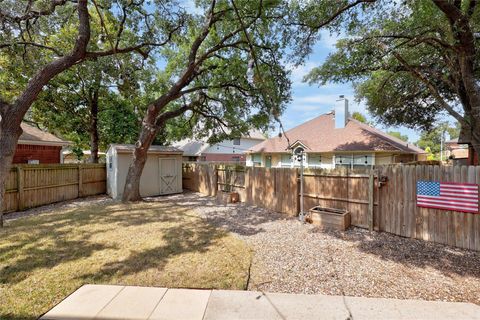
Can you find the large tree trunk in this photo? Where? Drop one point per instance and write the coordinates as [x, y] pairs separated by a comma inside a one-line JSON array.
[[148, 132], [152, 123], [12, 114], [10, 131], [94, 126]]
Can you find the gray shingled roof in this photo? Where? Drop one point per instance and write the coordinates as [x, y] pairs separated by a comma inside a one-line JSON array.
[[154, 148]]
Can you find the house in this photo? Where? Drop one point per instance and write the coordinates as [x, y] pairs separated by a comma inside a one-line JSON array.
[[331, 140], [465, 138], [70, 157], [225, 151], [457, 152], [36, 146]]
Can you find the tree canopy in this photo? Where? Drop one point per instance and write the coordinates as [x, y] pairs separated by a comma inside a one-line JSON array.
[[412, 61]]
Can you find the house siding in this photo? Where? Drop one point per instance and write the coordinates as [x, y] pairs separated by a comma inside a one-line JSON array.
[[223, 157], [328, 160], [44, 154]]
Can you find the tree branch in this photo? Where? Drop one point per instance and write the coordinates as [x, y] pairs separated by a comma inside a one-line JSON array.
[[33, 44]]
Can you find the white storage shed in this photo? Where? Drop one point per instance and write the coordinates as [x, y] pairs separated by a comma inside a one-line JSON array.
[[162, 173]]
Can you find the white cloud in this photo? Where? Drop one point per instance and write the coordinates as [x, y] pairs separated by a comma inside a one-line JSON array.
[[322, 99], [190, 6], [329, 40], [299, 72]]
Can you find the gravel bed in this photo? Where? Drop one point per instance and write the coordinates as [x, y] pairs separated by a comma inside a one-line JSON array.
[[292, 257]]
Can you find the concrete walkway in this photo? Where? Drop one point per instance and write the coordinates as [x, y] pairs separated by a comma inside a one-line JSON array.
[[127, 302]]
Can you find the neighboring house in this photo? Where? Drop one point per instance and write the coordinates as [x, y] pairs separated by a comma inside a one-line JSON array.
[[458, 153], [465, 138], [225, 151], [70, 157], [331, 140], [36, 146]]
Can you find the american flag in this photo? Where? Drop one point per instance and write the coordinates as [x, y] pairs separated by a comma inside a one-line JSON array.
[[448, 196]]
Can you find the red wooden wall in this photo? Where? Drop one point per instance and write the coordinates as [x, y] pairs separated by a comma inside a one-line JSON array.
[[45, 154]]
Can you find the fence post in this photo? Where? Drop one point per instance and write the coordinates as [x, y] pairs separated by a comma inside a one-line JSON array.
[[20, 192], [248, 189], [371, 182], [80, 181]]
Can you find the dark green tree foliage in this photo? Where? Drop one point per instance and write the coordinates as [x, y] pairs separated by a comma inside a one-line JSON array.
[[94, 104], [413, 61], [359, 117], [432, 139]]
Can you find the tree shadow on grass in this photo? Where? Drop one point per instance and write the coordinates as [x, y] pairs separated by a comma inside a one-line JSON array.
[[177, 240], [46, 241], [238, 218], [412, 252]]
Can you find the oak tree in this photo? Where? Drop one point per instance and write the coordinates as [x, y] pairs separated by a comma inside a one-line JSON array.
[[412, 61]]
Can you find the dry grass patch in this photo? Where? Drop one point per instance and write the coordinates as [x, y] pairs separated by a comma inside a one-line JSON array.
[[46, 257]]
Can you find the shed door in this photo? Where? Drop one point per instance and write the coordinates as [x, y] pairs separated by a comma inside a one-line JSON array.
[[168, 176]]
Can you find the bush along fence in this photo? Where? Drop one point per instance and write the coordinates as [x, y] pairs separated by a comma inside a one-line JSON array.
[[382, 198], [31, 186]]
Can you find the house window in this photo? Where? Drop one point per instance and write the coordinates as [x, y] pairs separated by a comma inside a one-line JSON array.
[[257, 159], [360, 161], [343, 160], [286, 160], [314, 160], [353, 161], [236, 142]]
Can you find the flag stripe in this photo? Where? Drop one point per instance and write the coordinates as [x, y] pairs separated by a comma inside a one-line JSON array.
[[465, 196], [463, 186], [462, 209], [459, 190], [448, 202], [444, 199]]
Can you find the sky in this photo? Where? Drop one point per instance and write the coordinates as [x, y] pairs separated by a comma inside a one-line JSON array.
[[309, 101]]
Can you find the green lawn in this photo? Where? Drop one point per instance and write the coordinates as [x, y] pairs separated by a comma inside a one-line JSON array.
[[46, 257]]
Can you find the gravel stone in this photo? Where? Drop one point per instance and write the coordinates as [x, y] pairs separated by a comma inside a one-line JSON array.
[[293, 257]]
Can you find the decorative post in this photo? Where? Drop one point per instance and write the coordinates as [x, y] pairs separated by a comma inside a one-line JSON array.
[[371, 183]]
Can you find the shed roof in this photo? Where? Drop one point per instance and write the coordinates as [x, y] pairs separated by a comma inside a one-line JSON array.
[[320, 135], [33, 135], [125, 148]]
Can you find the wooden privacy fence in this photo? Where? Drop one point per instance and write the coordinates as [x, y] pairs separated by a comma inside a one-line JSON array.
[[31, 186], [389, 206], [399, 214]]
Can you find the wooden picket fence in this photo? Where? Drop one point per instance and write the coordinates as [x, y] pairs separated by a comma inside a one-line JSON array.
[[31, 186], [389, 206]]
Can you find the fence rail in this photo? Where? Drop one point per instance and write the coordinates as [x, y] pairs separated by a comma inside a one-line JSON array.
[[389, 207], [31, 186]]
